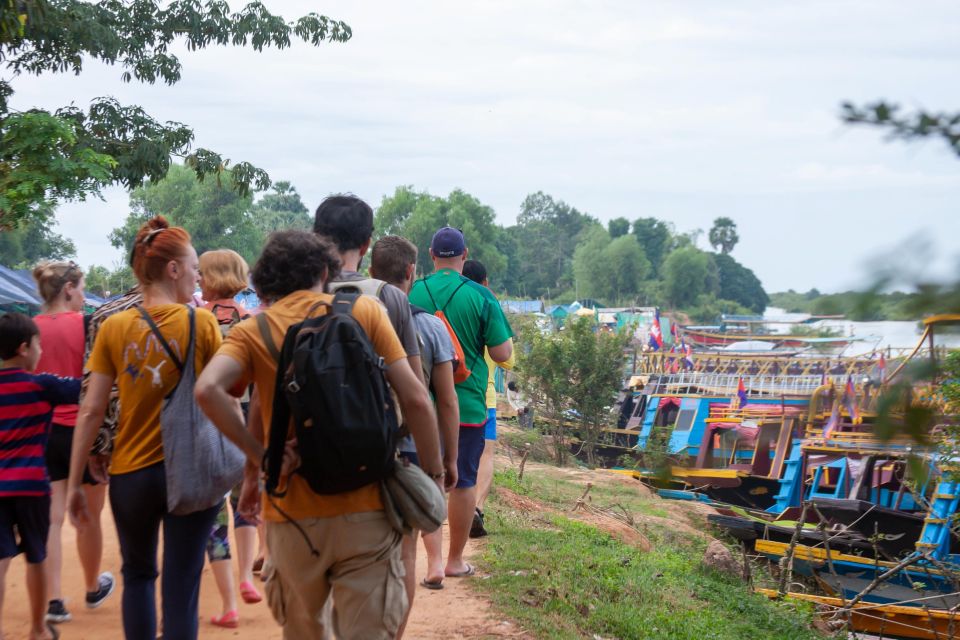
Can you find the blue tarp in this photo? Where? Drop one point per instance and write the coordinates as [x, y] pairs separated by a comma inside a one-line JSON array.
[[17, 287]]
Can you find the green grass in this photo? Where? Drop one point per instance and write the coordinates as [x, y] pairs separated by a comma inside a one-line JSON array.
[[564, 579]]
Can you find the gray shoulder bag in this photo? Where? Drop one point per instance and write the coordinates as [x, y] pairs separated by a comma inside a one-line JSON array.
[[412, 500], [201, 465]]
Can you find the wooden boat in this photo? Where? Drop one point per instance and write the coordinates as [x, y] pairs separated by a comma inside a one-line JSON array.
[[709, 339], [886, 620]]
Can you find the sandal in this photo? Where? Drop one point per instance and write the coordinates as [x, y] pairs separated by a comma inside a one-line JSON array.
[[249, 593], [229, 620]]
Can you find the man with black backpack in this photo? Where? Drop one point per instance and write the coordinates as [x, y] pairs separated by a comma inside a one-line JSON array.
[[476, 321], [326, 529]]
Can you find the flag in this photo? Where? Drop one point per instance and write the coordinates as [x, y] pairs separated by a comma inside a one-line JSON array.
[[687, 355], [739, 401], [833, 421], [882, 365], [675, 332], [850, 399], [656, 336]]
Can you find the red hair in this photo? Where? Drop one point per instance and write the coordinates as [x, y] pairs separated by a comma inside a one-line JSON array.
[[156, 245]]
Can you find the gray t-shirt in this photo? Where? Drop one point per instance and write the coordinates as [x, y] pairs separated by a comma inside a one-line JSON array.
[[435, 348], [396, 302]]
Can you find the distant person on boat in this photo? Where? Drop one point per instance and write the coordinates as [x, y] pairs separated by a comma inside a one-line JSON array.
[[477, 321], [394, 259], [475, 270]]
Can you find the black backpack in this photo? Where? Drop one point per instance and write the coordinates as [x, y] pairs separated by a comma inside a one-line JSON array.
[[331, 382]]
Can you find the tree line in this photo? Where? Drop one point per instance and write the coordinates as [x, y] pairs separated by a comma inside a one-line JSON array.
[[554, 251]]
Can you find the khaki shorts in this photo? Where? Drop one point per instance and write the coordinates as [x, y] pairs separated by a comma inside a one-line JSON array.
[[357, 563]]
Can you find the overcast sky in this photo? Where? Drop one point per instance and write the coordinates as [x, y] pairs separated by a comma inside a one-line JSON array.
[[680, 110]]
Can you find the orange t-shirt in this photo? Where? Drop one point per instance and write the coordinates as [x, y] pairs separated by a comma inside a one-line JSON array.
[[126, 350], [245, 345], [62, 341]]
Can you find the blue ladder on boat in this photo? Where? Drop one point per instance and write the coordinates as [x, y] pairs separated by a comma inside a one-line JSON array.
[[822, 473], [935, 536], [790, 483]]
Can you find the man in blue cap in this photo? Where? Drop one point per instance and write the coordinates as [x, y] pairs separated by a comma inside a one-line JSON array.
[[478, 322]]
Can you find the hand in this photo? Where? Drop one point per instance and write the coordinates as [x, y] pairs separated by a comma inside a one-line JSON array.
[[450, 478], [291, 458], [248, 504], [77, 508], [97, 465]]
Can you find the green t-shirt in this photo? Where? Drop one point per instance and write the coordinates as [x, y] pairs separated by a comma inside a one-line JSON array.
[[478, 321]]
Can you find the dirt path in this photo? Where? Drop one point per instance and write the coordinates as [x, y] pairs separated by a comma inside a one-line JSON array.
[[452, 613]]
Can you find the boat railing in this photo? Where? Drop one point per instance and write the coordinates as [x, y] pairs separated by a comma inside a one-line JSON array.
[[728, 384]]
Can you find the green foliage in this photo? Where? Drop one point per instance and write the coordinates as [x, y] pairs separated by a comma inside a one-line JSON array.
[[723, 235], [656, 238], [282, 208], [618, 227], [216, 217], [950, 388], [72, 153], [25, 246], [417, 216], [739, 284], [689, 273], [707, 309], [869, 305], [106, 282], [611, 270], [921, 124]]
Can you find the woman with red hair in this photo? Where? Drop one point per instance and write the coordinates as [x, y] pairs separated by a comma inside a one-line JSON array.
[[146, 369]]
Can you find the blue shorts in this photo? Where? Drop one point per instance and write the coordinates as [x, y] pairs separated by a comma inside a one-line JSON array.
[[31, 517], [490, 426], [469, 449]]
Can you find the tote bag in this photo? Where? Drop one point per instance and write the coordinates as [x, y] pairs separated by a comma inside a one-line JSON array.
[[201, 465]]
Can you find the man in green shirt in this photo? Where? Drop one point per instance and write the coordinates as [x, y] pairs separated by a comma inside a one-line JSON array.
[[478, 322]]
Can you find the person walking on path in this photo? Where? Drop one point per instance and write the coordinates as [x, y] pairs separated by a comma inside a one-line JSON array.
[[27, 402], [475, 270], [319, 545], [394, 259], [224, 274], [127, 350], [347, 222], [478, 321], [61, 286]]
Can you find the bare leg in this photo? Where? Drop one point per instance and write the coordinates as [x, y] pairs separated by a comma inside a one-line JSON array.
[[4, 565], [37, 593], [246, 538], [485, 472], [433, 543], [90, 537], [52, 565], [460, 510], [408, 553], [223, 573]]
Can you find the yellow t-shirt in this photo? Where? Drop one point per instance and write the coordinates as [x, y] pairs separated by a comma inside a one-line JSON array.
[[492, 369], [245, 345], [126, 350]]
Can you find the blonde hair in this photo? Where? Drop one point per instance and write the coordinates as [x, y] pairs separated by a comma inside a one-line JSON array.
[[224, 271], [52, 276]]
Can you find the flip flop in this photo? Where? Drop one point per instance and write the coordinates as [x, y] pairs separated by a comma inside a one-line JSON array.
[[466, 573], [431, 584], [249, 593], [229, 620]]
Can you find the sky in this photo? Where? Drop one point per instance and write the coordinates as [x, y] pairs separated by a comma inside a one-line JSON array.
[[683, 111]]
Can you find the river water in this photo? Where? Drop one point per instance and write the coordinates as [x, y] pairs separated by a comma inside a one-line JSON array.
[[876, 335]]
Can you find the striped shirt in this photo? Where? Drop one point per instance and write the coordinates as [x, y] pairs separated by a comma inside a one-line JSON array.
[[26, 407]]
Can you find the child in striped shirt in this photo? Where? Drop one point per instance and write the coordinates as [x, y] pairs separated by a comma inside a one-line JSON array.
[[26, 408]]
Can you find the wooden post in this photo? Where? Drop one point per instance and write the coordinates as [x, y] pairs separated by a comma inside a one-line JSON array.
[[523, 461], [787, 569]]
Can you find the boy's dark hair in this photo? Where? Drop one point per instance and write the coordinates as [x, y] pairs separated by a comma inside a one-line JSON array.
[[474, 270], [345, 219], [293, 261], [390, 258], [15, 330]]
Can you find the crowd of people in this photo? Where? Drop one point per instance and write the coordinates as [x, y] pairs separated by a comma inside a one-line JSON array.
[[81, 399]]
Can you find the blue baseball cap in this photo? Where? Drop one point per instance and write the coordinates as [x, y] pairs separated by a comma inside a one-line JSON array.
[[448, 242]]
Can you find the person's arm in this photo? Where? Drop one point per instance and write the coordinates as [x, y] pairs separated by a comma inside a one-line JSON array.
[[89, 419], [248, 504], [502, 352], [448, 418], [212, 393], [417, 365], [418, 414]]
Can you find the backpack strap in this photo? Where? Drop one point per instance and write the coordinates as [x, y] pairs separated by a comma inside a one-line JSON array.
[[163, 341], [444, 307], [342, 303], [268, 342]]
